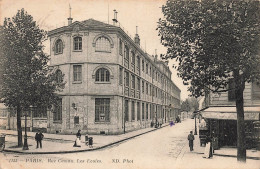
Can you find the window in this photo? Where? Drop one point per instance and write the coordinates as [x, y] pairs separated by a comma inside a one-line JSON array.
[[58, 46], [133, 111], [147, 88], [138, 63], [59, 77], [126, 111], [120, 47], [76, 120], [120, 76], [255, 91], [102, 75], [103, 44], [138, 84], [146, 110], [57, 111], [138, 111], [39, 112], [102, 109], [133, 61], [142, 111], [126, 55], [147, 68], [77, 43], [143, 65], [133, 81], [77, 73], [127, 79], [231, 92], [142, 86]]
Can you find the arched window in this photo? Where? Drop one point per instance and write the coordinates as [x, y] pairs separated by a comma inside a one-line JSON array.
[[102, 75], [59, 78], [58, 46], [103, 44], [77, 43]]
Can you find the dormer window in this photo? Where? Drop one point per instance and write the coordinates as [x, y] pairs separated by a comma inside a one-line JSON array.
[[77, 44], [103, 44], [58, 47]]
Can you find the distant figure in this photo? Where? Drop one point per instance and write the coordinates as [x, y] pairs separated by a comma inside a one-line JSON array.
[[77, 141], [178, 120], [191, 138], [208, 153], [38, 137]]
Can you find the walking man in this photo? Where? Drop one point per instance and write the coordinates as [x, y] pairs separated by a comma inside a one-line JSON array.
[[38, 137], [191, 138]]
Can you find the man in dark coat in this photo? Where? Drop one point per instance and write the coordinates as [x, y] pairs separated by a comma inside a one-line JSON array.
[[38, 137], [191, 138]]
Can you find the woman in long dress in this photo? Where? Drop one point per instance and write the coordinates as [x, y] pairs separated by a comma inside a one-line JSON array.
[[77, 141], [208, 149]]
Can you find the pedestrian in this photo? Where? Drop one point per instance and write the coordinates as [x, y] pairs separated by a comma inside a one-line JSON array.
[[38, 137], [191, 138], [208, 153], [77, 141]]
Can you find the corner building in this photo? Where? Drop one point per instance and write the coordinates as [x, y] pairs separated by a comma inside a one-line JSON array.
[[112, 85]]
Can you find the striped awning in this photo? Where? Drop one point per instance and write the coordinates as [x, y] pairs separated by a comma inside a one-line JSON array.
[[230, 113]]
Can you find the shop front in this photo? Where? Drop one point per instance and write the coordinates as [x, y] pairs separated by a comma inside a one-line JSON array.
[[222, 125]]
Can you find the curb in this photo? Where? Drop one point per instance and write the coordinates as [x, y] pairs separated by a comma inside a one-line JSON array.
[[225, 155], [75, 151]]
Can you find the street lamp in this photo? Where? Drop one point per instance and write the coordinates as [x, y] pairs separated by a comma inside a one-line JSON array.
[[195, 132], [25, 145]]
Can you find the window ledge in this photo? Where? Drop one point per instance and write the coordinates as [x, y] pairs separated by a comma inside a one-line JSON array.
[[102, 122], [102, 51], [58, 122], [77, 82], [58, 53], [77, 50], [102, 82]]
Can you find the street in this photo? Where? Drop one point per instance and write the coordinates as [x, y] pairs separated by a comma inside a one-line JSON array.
[[158, 149]]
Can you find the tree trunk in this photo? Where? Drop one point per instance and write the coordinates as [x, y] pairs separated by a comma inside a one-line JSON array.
[[241, 144], [19, 126]]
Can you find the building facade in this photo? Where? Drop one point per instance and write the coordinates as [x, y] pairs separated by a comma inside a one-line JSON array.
[[221, 116], [112, 85]]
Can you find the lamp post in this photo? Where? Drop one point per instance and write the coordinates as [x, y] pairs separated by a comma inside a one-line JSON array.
[[25, 145], [195, 132]]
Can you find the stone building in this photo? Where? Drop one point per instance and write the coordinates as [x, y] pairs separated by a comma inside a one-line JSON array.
[[112, 85]]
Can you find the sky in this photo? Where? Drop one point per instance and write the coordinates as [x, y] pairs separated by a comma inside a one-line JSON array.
[[51, 14]]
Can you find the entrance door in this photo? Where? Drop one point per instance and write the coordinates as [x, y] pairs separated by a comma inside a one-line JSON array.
[[229, 133]]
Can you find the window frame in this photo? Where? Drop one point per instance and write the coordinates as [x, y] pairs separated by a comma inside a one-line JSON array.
[[79, 44], [102, 110], [58, 45], [101, 45], [79, 74], [102, 73]]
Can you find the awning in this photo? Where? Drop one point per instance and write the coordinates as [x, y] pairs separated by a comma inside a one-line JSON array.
[[230, 113]]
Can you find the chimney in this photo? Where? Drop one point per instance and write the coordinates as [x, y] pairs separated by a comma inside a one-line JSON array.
[[70, 19], [115, 17], [137, 39], [156, 56]]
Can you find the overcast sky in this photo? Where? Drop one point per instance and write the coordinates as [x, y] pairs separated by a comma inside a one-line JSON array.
[[51, 14]]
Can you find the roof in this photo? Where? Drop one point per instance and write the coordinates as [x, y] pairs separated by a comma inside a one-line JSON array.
[[91, 22]]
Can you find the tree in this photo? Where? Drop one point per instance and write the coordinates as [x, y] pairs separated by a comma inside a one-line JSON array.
[[27, 80], [214, 42], [185, 106]]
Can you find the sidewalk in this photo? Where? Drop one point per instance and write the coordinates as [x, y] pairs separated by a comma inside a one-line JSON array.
[[222, 158], [57, 143]]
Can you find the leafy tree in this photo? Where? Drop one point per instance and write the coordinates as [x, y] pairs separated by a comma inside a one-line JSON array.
[[27, 80], [214, 41], [185, 106]]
